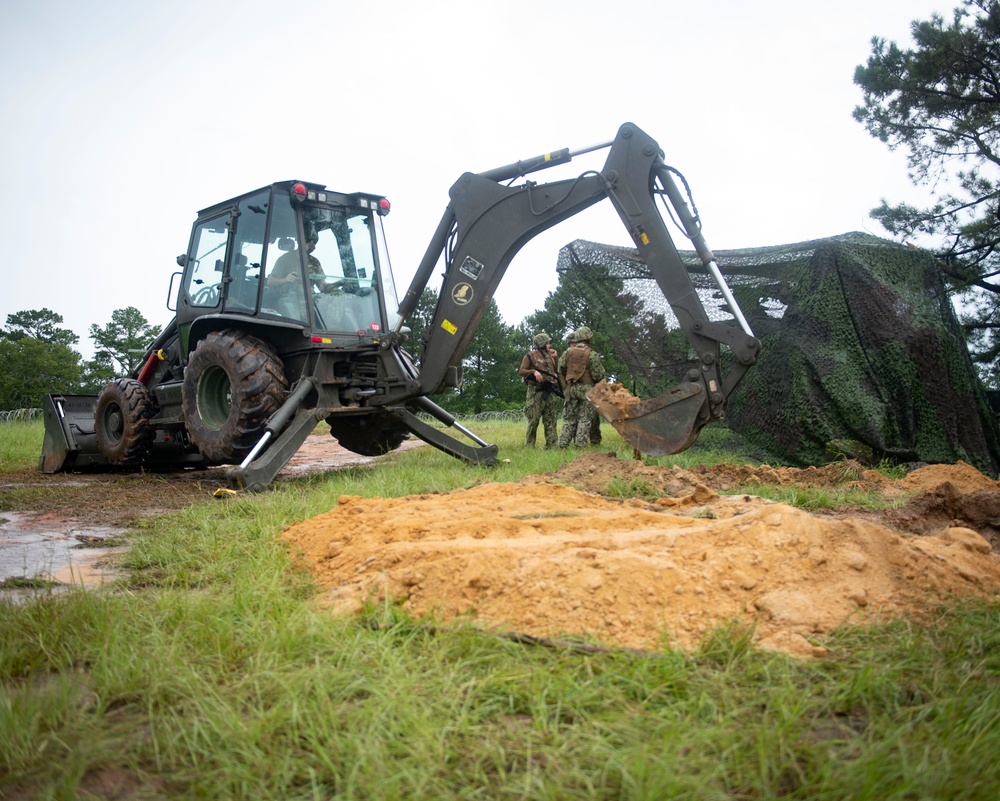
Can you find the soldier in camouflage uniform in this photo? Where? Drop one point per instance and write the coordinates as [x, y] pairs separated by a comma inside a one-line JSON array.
[[288, 271], [595, 429], [580, 368], [538, 367]]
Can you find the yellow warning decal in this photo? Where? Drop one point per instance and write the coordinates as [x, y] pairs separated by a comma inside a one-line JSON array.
[[645, 238], [450, 327]]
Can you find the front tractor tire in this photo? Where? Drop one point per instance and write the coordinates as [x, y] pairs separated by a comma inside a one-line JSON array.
[[122, 422], [232, 385]]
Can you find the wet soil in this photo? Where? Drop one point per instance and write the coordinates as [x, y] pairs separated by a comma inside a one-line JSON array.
[[67, 528], [572, 554], [565, 556]]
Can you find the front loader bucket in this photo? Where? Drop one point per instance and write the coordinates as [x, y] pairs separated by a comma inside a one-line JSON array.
[[668, 423], [70, 442]]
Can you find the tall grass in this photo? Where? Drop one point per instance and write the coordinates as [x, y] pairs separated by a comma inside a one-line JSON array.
[[20, 444], [207, 673]]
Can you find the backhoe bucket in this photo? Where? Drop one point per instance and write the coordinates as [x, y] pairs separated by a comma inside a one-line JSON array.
[[668, 423], [70, 442]]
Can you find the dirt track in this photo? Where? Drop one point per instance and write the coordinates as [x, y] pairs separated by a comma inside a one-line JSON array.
[[555, 556]]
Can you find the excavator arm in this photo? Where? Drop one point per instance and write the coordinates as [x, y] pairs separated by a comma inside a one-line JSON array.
[[488, 221]]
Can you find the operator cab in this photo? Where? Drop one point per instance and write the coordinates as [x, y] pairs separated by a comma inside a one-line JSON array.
[[291, 253]]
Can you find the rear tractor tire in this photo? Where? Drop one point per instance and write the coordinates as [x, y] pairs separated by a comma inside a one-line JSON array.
[[233, 384], [370, 435], [123, 422]]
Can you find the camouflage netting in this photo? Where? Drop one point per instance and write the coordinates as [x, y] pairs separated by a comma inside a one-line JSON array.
[[860, 345]]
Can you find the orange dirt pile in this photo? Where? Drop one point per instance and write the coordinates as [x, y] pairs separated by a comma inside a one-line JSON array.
[[613, 400], [543, 558]]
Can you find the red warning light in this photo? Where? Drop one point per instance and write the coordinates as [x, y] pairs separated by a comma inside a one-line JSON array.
[[383, 207], [299, 190]]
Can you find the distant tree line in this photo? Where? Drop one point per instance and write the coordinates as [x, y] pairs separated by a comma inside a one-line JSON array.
[[37, 355]]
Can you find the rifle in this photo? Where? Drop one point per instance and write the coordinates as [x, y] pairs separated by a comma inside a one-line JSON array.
[[548, 385]]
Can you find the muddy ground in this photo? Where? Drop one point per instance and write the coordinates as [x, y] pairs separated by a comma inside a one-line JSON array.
[[66, 528], [563, 556]]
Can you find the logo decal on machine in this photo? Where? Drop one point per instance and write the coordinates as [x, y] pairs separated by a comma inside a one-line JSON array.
[[462, 294], [471, 268]]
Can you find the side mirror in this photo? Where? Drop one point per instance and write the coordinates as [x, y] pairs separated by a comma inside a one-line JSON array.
[[182, 260]]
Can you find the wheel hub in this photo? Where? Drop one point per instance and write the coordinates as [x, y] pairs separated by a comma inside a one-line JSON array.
[[215, 398]]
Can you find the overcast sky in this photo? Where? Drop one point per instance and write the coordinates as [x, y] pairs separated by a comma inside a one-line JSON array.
[[122, 119]]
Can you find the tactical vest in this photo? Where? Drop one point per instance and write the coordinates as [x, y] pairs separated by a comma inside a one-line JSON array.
[[578, 365], [548, 364], [547, 359]]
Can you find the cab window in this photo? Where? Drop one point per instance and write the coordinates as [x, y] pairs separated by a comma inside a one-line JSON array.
[[248, 249], [345, 296], [206, 266], [284, 293]]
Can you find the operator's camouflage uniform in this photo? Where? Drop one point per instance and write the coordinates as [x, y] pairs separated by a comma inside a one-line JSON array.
[[287, 298], [580, 368], [540, 405]]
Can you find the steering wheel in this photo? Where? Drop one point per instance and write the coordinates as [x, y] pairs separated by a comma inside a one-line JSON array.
[[206, 296]]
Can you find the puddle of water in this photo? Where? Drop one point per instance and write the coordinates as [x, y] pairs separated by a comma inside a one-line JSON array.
[[47, 547], [89, 567]]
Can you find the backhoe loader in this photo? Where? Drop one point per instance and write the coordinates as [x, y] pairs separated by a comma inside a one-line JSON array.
[[283, 317]]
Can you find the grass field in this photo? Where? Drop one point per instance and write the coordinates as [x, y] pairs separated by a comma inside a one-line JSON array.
[[206, 673]]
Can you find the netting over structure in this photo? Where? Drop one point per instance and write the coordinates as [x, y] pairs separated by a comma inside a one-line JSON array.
[[859, 343]]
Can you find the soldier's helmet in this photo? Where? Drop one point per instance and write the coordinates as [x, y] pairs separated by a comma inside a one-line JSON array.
[[541, 340], [582, 334]]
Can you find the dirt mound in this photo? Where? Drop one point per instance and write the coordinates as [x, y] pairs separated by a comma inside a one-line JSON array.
[[598, 471], [543, 558], [962, 476]]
